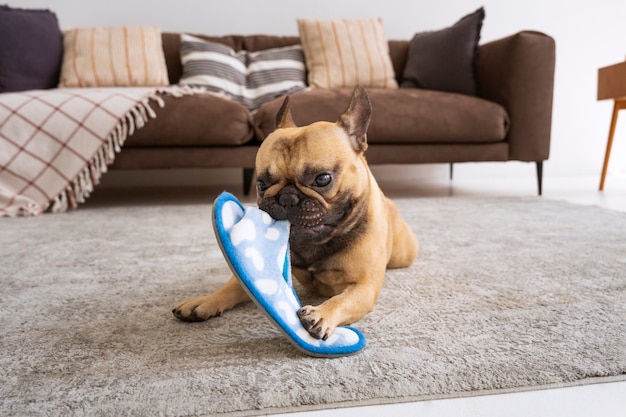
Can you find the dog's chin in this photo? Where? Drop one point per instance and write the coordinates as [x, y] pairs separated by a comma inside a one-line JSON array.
[[310, 234]]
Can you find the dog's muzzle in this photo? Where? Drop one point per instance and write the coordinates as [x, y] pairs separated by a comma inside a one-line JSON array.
[[290, 204]]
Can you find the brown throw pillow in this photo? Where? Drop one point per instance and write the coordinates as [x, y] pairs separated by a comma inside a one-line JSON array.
[[344, 53], [444, 60], [113, 56]]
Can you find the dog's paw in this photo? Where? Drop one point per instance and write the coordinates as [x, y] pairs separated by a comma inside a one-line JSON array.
[[313, 320], [197, 309]]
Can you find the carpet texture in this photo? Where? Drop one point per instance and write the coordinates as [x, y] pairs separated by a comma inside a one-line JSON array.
[[506, 294]]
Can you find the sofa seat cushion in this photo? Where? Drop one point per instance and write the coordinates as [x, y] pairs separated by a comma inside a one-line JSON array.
[[195, 120], [400, 116]]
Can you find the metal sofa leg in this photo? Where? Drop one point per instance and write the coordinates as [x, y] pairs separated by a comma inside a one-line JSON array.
[[539, 176], [248, 174]]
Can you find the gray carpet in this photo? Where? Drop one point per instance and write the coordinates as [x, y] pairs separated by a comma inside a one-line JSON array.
[[507, 294]]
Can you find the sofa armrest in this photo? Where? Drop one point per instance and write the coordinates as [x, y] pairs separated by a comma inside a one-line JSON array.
[[518, 73]]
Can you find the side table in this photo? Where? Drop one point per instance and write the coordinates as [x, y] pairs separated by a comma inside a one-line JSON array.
[[612, 85]]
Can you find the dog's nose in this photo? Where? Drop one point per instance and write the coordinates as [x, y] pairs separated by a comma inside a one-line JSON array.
[[288, 200]]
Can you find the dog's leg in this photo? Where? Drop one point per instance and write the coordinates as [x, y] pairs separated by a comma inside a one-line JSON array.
[[206, 306], [344, 308]]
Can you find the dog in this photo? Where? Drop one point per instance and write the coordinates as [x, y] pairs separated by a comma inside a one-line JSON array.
[[344, 232]]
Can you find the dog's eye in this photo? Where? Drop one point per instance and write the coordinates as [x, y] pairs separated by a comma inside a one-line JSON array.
[[322, 180], [261, 186]]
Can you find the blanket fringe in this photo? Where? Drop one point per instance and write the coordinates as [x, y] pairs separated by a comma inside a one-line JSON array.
[[82, 186]]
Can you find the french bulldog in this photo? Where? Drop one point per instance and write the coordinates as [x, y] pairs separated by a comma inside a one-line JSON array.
[[344, 232]]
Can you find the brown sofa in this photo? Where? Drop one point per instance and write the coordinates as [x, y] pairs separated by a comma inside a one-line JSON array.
[[510, 120]]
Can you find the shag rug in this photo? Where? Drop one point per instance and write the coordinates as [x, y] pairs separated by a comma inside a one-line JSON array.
[[507, 294]]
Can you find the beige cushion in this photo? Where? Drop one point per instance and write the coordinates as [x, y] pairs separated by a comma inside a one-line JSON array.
[[346, 53], [113, 56]]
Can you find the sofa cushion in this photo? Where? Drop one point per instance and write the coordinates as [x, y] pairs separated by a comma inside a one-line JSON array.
[[113, 56], [31, 49], [346, 52], [400, 116], [445, 59], [171, 50], [251, 78], [195, 120]]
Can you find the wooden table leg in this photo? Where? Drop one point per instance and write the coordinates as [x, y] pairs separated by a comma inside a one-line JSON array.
[[619, 105]]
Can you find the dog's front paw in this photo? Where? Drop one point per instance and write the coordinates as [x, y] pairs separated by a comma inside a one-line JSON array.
[[313, 320], [197, 309]]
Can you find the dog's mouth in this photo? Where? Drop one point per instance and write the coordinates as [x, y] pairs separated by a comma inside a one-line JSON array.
[[308, 219], [309, 214]]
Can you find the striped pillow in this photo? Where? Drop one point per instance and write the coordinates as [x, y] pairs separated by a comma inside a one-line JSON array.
[[113, 56], [251, 78], [346, 53]]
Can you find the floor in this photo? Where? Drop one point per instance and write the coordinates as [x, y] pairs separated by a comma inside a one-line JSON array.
[[606, 399]]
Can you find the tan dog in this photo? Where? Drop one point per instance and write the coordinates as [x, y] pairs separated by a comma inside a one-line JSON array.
[[344, 231]]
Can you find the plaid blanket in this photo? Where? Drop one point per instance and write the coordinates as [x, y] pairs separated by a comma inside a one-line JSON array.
[[55, 144]]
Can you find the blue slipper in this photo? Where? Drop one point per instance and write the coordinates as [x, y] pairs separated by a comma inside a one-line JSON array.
[[256, 248]]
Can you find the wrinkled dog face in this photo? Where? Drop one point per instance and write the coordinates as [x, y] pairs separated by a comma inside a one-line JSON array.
[[307, 191], [315, 176]]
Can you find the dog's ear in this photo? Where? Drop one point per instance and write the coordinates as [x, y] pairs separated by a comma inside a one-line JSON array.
[[356, 119], [283, 117]]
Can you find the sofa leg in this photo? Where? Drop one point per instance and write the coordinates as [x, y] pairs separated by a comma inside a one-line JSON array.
[[451, 171], [248, 174], [539, 176]]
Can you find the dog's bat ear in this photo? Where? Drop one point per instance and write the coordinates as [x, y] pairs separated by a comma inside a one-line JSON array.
[[283, 117], [356, 119]]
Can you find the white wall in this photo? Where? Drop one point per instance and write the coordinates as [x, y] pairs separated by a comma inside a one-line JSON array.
[[589, 35]]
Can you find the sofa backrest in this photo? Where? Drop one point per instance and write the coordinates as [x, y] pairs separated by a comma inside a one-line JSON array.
[[398, 49]]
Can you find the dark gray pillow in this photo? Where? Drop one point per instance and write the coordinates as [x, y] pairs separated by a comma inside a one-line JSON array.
[[31, 49], [444, 60]]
